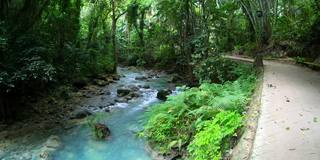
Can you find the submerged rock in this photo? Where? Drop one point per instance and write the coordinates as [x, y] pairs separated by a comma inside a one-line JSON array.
[[79, 114], [49, 147], [162, 94]]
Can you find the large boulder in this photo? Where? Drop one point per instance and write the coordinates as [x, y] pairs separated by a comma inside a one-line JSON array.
[[162, 94]]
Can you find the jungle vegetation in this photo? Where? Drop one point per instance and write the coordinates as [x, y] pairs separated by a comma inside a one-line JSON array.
[[49, 43]]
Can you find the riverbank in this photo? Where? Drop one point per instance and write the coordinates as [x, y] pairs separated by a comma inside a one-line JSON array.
[[93, 98], [46, 116]]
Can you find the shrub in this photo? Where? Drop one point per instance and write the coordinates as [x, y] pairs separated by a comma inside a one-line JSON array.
[[218, 70], [174, 123]]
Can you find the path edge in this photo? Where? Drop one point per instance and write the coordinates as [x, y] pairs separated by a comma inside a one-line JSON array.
[[243, 149]]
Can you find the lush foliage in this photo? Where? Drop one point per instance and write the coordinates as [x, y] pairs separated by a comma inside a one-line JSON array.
[[45, 42], [189, 115], [218, 69], [212, 134], [183, 32]]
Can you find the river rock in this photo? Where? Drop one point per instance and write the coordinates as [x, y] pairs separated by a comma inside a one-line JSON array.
[[133, 88], [146, 86], [141, 78], [80, 83], [116, 77], [79, 114], [49, 147], [103, 130], [134, 95], [100, 82], [162, 94], [106, 109], [121, 100], [123, 92]]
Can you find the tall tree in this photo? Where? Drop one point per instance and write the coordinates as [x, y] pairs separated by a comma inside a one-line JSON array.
[[116, 14], [258, 14]]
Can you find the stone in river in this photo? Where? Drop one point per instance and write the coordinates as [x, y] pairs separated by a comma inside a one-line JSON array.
[[123, 92], [162, 94], [80, 113]]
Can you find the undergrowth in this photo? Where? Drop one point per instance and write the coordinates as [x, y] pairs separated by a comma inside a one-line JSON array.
[[199, 122]]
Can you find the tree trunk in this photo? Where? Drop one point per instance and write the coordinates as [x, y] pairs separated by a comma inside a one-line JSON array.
[[141, 35], [4, 5], [187, 34], [205, 27], [113, 37], [258, 61], [5, 109]]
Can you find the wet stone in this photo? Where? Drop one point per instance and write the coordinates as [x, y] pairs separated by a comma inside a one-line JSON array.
[[123, 92], [79, 114], [50, 146], [141, 78], [162, 94]]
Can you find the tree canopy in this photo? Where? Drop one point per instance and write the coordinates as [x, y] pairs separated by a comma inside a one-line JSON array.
[[46, 43]]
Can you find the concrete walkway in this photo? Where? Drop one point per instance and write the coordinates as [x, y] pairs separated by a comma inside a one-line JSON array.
[[289, 124]]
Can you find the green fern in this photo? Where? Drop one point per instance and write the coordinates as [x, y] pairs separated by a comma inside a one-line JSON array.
[[180, 117]]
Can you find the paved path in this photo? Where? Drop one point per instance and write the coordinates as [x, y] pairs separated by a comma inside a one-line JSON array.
[[289, 124]]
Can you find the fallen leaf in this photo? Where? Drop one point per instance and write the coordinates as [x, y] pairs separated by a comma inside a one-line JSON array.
[[304, 129]]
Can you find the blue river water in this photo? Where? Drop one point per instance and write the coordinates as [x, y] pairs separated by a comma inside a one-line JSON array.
[[124, 121]]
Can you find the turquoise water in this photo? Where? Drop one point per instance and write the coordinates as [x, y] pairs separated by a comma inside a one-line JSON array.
[[124, 121]]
